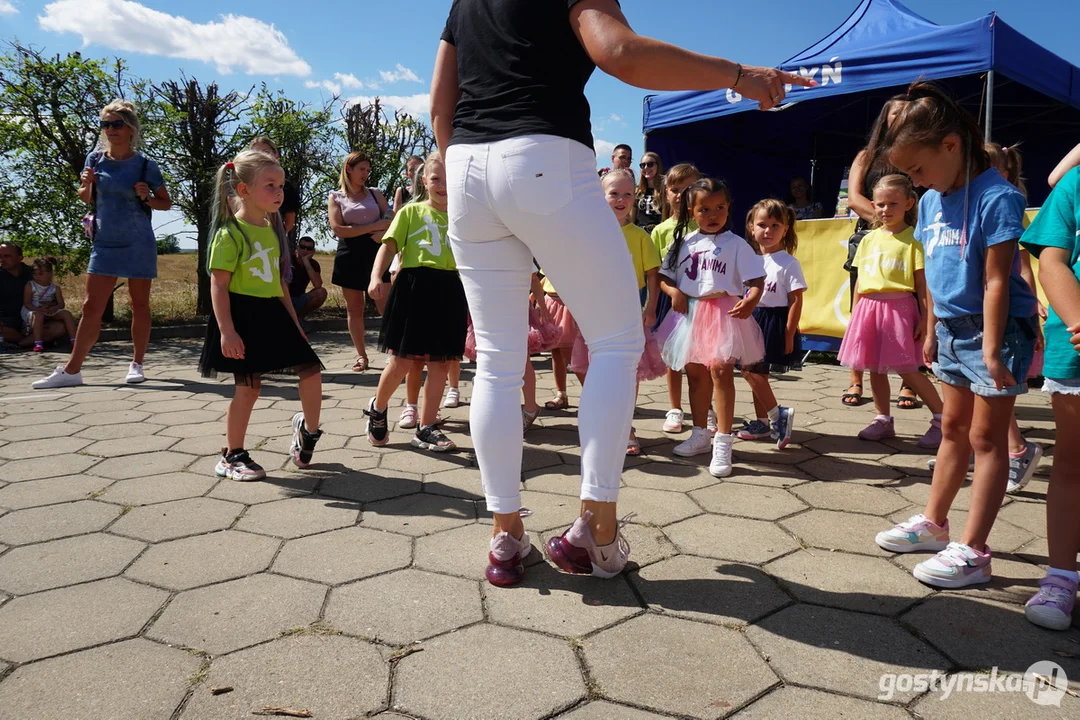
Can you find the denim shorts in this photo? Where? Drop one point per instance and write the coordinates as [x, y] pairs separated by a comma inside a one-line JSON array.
[[1062, 386], [960, 355]]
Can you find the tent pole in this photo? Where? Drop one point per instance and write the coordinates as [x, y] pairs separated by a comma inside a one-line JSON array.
[[989, 105]]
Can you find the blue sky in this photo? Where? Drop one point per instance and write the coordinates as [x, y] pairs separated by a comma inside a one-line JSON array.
[[364, 48]]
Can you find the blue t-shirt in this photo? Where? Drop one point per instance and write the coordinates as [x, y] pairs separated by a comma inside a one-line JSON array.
[[1058, 226], [121, 218], [995, 215]]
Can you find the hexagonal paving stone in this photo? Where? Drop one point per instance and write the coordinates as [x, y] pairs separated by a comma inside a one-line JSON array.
[[732, 498], [776, 476], [1029, 516], [551, 602], [673, 476], [405, 606], [371, 486], [459, 482], [58, 621], [343, 555], [832, 530], [157, 488], [45, 417], [849, 497], [840, 650], [279, 486], [46, 467], [124, 467], [979, 633], [72, 560], [431, 683], [296, 517], [603, 710], [100, 405], [204, 559], [238, 613], [130, 446], [994, 706], [116, 417], [33, 493], [849, 582], [205, 444], [909, 463], [179, 518], [420, 462], [708, 590], [39, 432], [113, 432], [843, 446], [187, 417], [762, 452], [793, 702], [333, 677], [463, 551], [547, 511], [23, 449], [655, 507], [848, 470], [728, 538], [165, 406], [419, 515], [917, 492], [133, 679], [55, 521], [735, 672]]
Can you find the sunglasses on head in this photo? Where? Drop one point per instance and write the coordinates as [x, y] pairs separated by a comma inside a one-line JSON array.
[[647, 164], [114, 124]]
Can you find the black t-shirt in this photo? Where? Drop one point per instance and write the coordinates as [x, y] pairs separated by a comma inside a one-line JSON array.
[[12, 288], [649, 212], [291, 202], [298, 284], [521, 71]]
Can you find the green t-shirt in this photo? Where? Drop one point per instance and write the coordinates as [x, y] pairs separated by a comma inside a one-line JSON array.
[[420, 233], [664, 234], [258, 274], [1058, 226]]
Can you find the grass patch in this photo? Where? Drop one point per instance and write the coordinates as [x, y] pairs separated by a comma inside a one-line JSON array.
[[319, 627]]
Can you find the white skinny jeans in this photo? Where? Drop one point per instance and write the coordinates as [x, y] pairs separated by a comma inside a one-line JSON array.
[[539, 196]]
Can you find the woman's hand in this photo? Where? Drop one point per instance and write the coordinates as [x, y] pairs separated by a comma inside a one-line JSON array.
[[1075, 339], [142, 190], [929, 349], [766, 85], [380, 226], [679, 302], [88, 177], [232, 346]]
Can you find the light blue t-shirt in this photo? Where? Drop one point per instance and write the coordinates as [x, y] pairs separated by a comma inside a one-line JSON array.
[[1058, 226], [995, 215], [121, 218]]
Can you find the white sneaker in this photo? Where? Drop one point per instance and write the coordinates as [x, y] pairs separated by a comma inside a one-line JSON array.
[[720, 466], [58, 379], [134, 374], [698, 443], [673, 421], [453, 398], [712, 425]]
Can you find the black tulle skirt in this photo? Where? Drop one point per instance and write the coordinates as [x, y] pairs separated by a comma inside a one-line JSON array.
[[426, 316], [273, 345], [773, 324]]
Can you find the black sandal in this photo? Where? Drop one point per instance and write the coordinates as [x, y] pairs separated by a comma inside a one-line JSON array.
[[907, 403], [852, 399]]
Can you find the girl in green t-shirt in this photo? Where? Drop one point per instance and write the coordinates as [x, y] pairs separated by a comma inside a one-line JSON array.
[[253, 330]]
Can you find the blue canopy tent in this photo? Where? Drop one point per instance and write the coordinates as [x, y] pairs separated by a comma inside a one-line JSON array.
[[1019, 91]]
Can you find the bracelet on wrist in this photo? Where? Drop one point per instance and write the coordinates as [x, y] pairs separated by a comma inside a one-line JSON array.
[[738, 75]]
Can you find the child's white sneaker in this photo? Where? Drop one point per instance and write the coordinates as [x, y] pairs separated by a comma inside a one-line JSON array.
[[698, 443], [721, 455]]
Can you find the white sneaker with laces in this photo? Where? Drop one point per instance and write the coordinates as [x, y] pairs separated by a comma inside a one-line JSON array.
[[698, 443], [58, 379], [673, 422], [720, 466], [712, 424], [453, 398], [135, 374]]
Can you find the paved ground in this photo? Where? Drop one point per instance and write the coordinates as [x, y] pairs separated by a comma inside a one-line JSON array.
[[135, 584]]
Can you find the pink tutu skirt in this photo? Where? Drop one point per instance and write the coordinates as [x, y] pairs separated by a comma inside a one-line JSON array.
[[560, 316], [881, 335], [542, 336], [650, 367], [707, 335], [470, 342]]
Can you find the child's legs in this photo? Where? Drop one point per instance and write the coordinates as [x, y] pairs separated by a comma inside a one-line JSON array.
[[764, 398], [954, 452], [882, 392], [395, 371], [1063, 497], [453, 373], [1017, 444], [723, 380], [989, 439], [674, 388], [558, 367], [414, 380], [37, 325], [433, 391], [311, 397], [239, 412], [700, 381], [924, 389], [69, 322], [139, 292], [528, 389]]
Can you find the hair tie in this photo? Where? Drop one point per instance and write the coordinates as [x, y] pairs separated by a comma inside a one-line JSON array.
[[229, 166]]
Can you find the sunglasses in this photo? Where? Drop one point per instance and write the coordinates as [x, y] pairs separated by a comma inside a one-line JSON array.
[[646, 164], [305, 247], [114, 124]]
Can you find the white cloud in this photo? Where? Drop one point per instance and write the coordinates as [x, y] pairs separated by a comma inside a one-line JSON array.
[[399, 74], [329, 85], [419, 105], [237, 41], [6, 8], [616, 119], [349, 81], [603, 149]]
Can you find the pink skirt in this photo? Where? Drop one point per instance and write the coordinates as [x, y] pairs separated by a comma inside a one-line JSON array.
[[707, 335], [542, 336], [560, 315], [650, 367], [881, 335]]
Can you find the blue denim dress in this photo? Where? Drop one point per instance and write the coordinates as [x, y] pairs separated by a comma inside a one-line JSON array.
[[124, 243]]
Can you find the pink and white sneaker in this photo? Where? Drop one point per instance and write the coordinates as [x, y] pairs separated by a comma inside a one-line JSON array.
[[576, 552], [956, 566], [1052, 606], [881, 428], [915, 533], [505, 559]]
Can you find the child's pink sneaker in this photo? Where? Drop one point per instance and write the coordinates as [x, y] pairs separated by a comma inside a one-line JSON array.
[[1052, 606], [880, 429], [576, 552], [957, 566], [932, 439], [39, 346]]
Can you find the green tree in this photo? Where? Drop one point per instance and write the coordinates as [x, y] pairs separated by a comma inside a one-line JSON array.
[[387, 139], [168, 245], [49, 111]]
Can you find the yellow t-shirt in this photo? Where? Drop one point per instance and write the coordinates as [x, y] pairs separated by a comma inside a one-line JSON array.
[[419, 230], [664, 234], [642, 252], [887, 262], [251, 253]]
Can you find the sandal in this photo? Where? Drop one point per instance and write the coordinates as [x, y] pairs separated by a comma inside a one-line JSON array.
[[909, 402], [852, 399], [559, 402], [633, 445], [361, 364], [527, 419]]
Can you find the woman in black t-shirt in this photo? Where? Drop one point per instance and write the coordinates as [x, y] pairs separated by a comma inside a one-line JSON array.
[[649, 199], [510, 116]]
